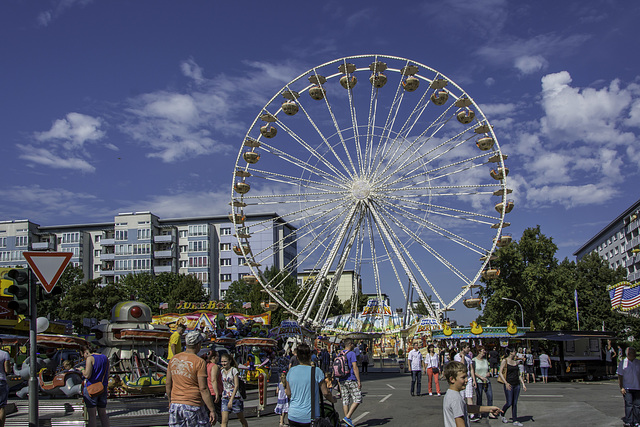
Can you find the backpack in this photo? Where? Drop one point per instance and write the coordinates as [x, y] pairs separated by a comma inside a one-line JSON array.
[[242, 388], [341, 368]]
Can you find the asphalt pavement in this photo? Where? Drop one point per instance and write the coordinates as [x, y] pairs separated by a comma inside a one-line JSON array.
[[387, 401]]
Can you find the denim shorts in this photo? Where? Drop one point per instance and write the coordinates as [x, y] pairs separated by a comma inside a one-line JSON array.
[[236, 407], [91, 402]]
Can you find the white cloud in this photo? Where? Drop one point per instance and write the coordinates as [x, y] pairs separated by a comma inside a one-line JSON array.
[[38, 203], [46, 17], [73, 131], [571, 196], [550, 168], [45, 157], [587, 114], [490, 81], [191, 69], [531, 64], [491, 110]]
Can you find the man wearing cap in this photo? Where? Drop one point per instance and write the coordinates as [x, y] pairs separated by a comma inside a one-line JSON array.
[[187, 387], [175, 342]]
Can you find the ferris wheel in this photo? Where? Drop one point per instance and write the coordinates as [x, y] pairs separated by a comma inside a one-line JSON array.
[[385, 167]]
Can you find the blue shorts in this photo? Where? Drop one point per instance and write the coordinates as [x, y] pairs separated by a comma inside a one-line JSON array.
[[4, 393], [236, 407], [187, 415], [91, 402]]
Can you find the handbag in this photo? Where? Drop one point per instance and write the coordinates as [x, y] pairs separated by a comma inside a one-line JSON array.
[[503, 374], [330, 420], [435, 370]]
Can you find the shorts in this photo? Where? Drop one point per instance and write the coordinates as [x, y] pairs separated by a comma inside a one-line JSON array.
[[236, 407], [4, 393], [528, 369], [468, 390], [187, 415], [91, 402], [350, 392], [494, 365]]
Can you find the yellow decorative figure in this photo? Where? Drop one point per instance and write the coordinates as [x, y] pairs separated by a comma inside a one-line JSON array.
[[476, 328], [446, 329], [511, 327]]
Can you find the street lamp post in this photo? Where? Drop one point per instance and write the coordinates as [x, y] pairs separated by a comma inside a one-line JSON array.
[[521, 310]]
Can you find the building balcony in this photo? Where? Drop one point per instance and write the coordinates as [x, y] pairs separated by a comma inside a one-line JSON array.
[[162, 269], [107, 272], [43, 246], [107, 242], [164, 238], [107, 257], [163, 254]]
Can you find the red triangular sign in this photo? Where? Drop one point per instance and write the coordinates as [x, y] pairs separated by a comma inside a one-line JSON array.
[[48, 266]]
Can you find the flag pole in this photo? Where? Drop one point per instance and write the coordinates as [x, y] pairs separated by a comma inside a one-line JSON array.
[[575, 297]]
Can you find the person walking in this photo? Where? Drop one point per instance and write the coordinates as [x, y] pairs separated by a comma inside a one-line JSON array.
[[231, 399], [509, 375], [187, 389], [629, 383], [282, 405], [325, 359], [350, 386], [96, 370], [482, 371], [214, 381], [545, 364], [5, 368], [529, 368], [365, 362], [467, 393], [432, 363], [494, 361], [609, 357], [175, 341], [417, 369], [298, 388]]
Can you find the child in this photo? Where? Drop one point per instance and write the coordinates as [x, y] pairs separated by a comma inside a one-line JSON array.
[[330, 381], [453, 407], [282, 407]]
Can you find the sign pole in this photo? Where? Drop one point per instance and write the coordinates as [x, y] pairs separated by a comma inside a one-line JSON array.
[[33, 356]]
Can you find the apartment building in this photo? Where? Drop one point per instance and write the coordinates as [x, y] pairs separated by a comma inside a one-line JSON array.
[[618, 243], [346, 283], [142, 242]]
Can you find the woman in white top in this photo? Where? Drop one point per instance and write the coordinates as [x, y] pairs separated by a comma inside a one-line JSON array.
[[231, 399], [545, 364], [432, 361]]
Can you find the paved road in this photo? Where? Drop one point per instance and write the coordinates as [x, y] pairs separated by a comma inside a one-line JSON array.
[[387, 402]]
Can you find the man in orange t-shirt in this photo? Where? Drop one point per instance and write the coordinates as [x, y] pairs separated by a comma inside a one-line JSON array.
[[187, 387]]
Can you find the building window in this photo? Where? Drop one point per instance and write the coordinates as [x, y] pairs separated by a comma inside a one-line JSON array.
[[184, 264], [225, 261], [183, 248], [225, 231], [3, 242], [97, 238], [199, 230], [225, 246], [122, 234], [144, 233], [199, 246], [225, 277], [184, 233], [22, 240], [198, 261], [97, 253]]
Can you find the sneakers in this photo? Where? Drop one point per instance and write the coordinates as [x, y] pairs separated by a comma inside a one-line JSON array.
[[475, 419], [439, 394], [347, 421], [516, 423], [505, 420], [430, 394]]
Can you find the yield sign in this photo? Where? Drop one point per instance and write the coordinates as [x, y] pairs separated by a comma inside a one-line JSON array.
[[48, 266]]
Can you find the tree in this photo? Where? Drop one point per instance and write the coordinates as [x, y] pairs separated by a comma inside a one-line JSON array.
[[183, 287], [147, 288], [51, 306], [81, 301]]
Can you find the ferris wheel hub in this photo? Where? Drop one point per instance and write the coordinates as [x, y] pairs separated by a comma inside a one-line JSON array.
[[361, 189]]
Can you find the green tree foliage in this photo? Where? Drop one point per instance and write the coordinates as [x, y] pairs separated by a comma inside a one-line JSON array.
[[165, 287], [51, 305], [531, 275]]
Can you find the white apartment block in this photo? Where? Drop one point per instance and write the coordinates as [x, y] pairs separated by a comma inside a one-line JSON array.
[[142, 242], [347, 281], [618, 243]]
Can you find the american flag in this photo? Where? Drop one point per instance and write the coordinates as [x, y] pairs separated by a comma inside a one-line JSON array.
[[246, 305], [164, 305], [624, 296]]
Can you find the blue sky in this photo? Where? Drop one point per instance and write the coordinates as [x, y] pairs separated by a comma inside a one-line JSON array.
[[115, 106]]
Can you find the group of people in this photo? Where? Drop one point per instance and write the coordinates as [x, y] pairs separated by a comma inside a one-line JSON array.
[[307, 377], [514, 370]]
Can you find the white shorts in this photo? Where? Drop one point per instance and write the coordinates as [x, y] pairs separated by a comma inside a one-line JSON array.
[[467, 392]]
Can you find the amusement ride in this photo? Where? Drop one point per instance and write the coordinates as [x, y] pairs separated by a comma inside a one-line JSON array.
[[384, 166]]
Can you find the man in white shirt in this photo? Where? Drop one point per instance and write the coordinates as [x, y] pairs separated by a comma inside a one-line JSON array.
[[629, 382], [417, 369], [467, 392]]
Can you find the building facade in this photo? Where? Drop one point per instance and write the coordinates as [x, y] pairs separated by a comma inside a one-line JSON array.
[[618, 243], [346, 283], [137, 242]]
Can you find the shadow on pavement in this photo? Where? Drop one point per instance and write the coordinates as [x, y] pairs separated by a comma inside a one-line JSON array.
[[374, 422]]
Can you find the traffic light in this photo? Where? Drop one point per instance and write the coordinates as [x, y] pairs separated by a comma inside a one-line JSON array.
[[19, 289]]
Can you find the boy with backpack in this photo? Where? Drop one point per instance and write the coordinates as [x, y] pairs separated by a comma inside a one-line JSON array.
[[345, 369]]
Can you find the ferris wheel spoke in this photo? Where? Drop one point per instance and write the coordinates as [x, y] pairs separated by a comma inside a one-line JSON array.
[[422, 206], [401, 252], [296, 181], [410, 159], [376, 271], [354, 124], [420, 221], [391, 256], [288, 157]]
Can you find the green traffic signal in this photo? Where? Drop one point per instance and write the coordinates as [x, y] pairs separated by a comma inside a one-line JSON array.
[[19, 289]]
